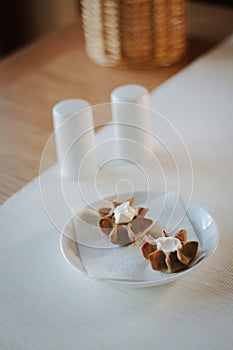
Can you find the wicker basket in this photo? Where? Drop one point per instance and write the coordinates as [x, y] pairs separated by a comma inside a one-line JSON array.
[[134, 33]]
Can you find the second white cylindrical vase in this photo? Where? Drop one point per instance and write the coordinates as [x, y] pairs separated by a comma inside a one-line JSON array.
[[131, 116]]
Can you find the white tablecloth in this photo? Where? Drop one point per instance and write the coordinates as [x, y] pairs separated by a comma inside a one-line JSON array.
[[46, 304]]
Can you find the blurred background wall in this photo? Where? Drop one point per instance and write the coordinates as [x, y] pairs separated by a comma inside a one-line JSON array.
[[23, 21]]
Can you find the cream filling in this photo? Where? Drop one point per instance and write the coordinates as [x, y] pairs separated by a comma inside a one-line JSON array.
[[168, 244], [124, 213]]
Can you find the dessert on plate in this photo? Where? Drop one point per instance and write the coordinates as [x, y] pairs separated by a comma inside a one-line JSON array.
[[170, 254], [122, 223]]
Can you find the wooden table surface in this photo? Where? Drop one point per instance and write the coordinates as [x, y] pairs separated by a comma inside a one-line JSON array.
[[55, 68]]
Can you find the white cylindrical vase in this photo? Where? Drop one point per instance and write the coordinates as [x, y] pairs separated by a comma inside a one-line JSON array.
[[74, 138], [132, 122]]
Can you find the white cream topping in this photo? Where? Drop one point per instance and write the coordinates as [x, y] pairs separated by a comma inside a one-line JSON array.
[[168, 244], [124, 213]]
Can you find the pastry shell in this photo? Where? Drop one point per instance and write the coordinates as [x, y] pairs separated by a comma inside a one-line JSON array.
[[174, 261], [123, 234]]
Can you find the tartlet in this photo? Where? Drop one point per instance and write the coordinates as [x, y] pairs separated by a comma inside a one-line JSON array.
[[126, 232], [171, 261]]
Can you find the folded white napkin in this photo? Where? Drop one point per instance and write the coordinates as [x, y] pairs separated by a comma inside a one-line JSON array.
[[102, 259]]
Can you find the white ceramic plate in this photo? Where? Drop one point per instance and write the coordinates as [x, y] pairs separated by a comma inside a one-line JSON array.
[[89, 261]]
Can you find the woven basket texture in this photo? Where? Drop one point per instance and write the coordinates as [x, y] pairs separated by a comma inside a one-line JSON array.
[[134, 33]]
